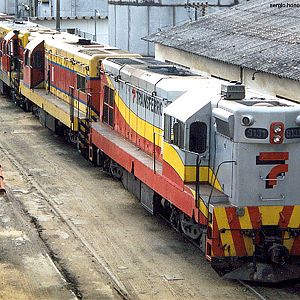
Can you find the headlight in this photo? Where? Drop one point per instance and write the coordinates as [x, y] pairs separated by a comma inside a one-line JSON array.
[[277, 129], [247, 120], [277, 139]]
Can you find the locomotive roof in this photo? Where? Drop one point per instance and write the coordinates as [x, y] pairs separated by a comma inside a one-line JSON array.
[[18, 25], [152, 65], [74, 45], [208, 91], [194, 99]]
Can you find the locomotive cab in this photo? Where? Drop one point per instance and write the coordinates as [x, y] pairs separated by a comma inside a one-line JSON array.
[[34, 63], [10, 52], [187, 138]]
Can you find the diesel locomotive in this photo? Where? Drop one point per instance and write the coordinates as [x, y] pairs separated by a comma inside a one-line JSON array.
[[216, 159]]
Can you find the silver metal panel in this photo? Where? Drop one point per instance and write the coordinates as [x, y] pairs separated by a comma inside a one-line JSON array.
[[134, 185], [50, 122], [224, 152], [250, 178], [147, 198], [42, 117]]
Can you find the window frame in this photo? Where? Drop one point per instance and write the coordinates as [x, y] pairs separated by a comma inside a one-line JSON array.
[[108, 106], [81, 83], [200, 136]]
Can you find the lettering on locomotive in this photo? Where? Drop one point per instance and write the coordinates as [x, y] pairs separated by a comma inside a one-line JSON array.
[[146, 101]]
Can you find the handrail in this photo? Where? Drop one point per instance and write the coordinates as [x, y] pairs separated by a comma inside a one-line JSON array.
[[213, 185], [198, 163]]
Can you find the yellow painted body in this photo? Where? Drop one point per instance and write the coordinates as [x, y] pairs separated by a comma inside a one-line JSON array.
[[140, 126], [268, 215], [58, 110]]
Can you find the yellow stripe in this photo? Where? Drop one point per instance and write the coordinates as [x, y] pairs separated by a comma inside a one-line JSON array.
[[245, 222], [211, 180], [141, 127], [203, 208], [295, 218], [173, 159], [270, 214], [226, 237], [294, 223], [55, 111], [66, 98]]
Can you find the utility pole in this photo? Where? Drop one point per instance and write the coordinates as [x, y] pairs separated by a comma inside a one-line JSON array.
[[16, 9], [97, 12], [35, 8], [58, 15]]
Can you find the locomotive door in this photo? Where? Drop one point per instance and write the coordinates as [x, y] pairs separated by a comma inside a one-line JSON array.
[[224, 153], [34, 63], [108, 106]]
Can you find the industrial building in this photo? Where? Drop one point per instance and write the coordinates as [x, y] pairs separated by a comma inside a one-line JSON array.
[[129, 21], [89, 21], [254, 43], [120, 23]]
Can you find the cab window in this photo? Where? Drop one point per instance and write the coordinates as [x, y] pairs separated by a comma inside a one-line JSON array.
[[198, 137]]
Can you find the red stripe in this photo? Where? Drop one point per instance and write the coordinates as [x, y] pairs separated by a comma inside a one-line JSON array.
[[217, 246], [255, 216], [237, 237], [285, 216], [273, 156], [296, 247]]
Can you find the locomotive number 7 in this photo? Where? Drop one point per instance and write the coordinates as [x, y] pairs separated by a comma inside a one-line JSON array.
[[273, 158]]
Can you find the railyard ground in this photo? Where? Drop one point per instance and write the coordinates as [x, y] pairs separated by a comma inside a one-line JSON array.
[[69, 231]]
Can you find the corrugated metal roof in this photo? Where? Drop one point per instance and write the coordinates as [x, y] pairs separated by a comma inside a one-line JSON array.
[[253, 35]]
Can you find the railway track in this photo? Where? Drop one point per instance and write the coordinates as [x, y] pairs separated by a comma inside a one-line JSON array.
[[117, 284], [244, 284], [253, 290]]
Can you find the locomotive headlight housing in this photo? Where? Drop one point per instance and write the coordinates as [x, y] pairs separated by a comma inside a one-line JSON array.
[[276, 133], [247, 120]]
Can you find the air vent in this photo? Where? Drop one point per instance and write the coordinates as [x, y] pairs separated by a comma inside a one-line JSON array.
[[233, 91], [18, 21], [84, 42]]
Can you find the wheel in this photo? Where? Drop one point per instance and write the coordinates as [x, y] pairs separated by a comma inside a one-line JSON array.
[[189, 227]]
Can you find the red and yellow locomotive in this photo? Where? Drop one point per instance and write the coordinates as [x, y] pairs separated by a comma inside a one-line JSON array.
[[219, 163]]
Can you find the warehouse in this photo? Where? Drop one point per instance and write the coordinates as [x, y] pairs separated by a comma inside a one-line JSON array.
[[254, 43]]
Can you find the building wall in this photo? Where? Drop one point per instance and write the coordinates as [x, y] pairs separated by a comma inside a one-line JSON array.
[[71, 8], [85, 25], [129, 21], [263, 82], [7, 7]]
